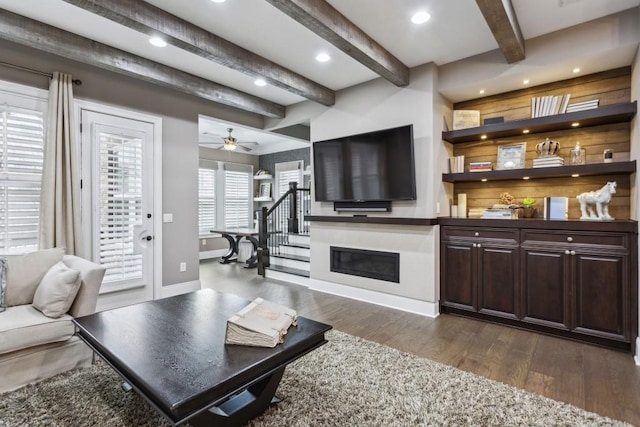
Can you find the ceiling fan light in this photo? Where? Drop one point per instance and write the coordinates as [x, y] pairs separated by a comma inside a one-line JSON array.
[[229, 147]]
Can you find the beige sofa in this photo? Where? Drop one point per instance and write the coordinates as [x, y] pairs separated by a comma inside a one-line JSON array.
[[35, 346]]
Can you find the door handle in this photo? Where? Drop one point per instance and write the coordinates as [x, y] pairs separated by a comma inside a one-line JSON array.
[[147, 238]]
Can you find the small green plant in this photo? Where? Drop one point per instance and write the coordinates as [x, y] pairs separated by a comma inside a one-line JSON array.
[[528, 201]]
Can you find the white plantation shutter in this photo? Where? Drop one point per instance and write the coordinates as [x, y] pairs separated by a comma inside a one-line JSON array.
[[207, 196], [238, 181], [21, 156], [120, 205]]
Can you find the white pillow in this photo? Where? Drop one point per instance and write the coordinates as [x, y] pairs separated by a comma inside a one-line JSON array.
[[25, 272], [57, 290]]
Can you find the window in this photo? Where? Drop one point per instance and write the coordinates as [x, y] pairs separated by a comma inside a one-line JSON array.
[[22, 111], [207, 196], [238, 182], [286, 173]]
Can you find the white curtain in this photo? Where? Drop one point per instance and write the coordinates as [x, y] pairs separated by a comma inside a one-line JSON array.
[[60, 194]]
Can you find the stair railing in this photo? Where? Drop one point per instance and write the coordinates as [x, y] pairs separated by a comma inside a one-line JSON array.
[[282, 220]]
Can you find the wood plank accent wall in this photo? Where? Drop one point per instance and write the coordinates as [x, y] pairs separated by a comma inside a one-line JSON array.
[[610, 87]]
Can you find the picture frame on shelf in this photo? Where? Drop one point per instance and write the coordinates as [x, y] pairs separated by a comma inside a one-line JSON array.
[[265, 190], [511, 156]]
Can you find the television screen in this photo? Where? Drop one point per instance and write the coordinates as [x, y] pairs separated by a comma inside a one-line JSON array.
[[373, 166]]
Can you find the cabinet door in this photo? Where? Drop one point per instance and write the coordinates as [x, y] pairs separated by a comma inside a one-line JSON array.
[[545, 290], [498, 289], [458, 283], [601, 295]]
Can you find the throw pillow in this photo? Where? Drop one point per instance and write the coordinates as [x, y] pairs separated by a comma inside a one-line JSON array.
[[24, 273], [57, 290]]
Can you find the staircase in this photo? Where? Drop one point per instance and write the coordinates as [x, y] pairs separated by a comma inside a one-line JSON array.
[[290, 262], [284, 246]]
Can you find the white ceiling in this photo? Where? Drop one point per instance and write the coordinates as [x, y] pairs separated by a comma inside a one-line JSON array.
[[456, 30]]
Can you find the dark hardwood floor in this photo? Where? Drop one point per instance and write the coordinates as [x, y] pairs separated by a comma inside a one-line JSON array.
[[599, 380]]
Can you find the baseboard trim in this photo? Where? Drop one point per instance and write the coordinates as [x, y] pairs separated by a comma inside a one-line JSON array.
[[637, 356], [286, 277], [217, 253], [423, 308], [179, 289]]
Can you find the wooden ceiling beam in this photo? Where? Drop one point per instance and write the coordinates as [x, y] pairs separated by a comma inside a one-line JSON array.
[[503, 23], [151, 20], [327, 22], [35, 34]]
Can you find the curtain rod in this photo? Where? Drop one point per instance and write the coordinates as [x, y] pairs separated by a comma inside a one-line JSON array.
[[30, 70]]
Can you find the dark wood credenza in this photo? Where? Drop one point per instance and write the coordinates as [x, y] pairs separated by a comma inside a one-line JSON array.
[[574, 279]]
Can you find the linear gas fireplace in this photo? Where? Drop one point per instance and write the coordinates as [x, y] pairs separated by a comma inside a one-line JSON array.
[[365, 263]]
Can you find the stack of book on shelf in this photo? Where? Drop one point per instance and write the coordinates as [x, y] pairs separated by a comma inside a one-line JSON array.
[[585, 105], [479, 166], [492, 213], [456, 164], [549, 105], [476, 212], [260, 324], [548, 162]]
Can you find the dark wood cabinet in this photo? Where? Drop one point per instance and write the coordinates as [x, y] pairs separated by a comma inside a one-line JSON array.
[[483, 267], [576, 282]]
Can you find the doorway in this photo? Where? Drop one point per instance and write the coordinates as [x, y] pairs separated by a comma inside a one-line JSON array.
[[119, 202]]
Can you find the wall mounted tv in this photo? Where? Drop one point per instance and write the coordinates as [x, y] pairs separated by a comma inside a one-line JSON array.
[[373, 166]]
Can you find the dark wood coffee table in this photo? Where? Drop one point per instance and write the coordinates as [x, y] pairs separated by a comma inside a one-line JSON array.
[[172, 352]]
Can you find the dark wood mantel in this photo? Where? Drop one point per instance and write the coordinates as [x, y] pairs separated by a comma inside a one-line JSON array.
[[364, 219]]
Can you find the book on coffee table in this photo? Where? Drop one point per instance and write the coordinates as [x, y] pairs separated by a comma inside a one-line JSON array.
[[260, 324]]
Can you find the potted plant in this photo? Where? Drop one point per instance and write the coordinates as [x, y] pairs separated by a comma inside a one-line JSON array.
[[528, 208]]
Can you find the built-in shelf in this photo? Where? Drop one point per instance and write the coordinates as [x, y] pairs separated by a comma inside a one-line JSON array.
[[615, 168], [262, 199], [364, 219], [625, 225], [616, 113], [262, 177]]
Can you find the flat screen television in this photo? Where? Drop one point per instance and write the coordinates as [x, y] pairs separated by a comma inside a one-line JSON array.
[[372, 166]]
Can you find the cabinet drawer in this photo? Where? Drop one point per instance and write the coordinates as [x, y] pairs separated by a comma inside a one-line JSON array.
[[613, 240], [480, 233]]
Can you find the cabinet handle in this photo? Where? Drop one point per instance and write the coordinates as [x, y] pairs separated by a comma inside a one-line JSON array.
[[569, 239], [477, 234], [573, 252], [479, 245], [567, 252], [475, 245]]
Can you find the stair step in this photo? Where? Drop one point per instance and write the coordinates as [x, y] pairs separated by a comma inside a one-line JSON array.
[[289, 270], [292, 256], [296, 245]]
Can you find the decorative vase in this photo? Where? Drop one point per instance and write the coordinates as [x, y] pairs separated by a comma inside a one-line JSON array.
[[528, 211]]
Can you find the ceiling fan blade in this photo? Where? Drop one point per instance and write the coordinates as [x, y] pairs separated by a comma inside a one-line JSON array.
[[248, 142], [242, 147]]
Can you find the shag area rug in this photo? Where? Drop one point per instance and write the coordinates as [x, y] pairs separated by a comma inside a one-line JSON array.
[[347, 382]]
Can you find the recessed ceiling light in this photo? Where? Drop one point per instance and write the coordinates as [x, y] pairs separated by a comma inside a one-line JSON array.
[[323, 57], [218, 1], [260, 82], [481, 91], [157, 41], [525, 82], [420, 17], [576, 70]]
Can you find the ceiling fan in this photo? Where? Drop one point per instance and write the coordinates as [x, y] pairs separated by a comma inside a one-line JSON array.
[[229, 142]]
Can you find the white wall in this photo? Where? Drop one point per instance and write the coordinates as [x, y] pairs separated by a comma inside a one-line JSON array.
[[376, 105]]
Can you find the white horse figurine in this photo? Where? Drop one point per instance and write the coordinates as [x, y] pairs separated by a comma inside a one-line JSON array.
[[599, 199]]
